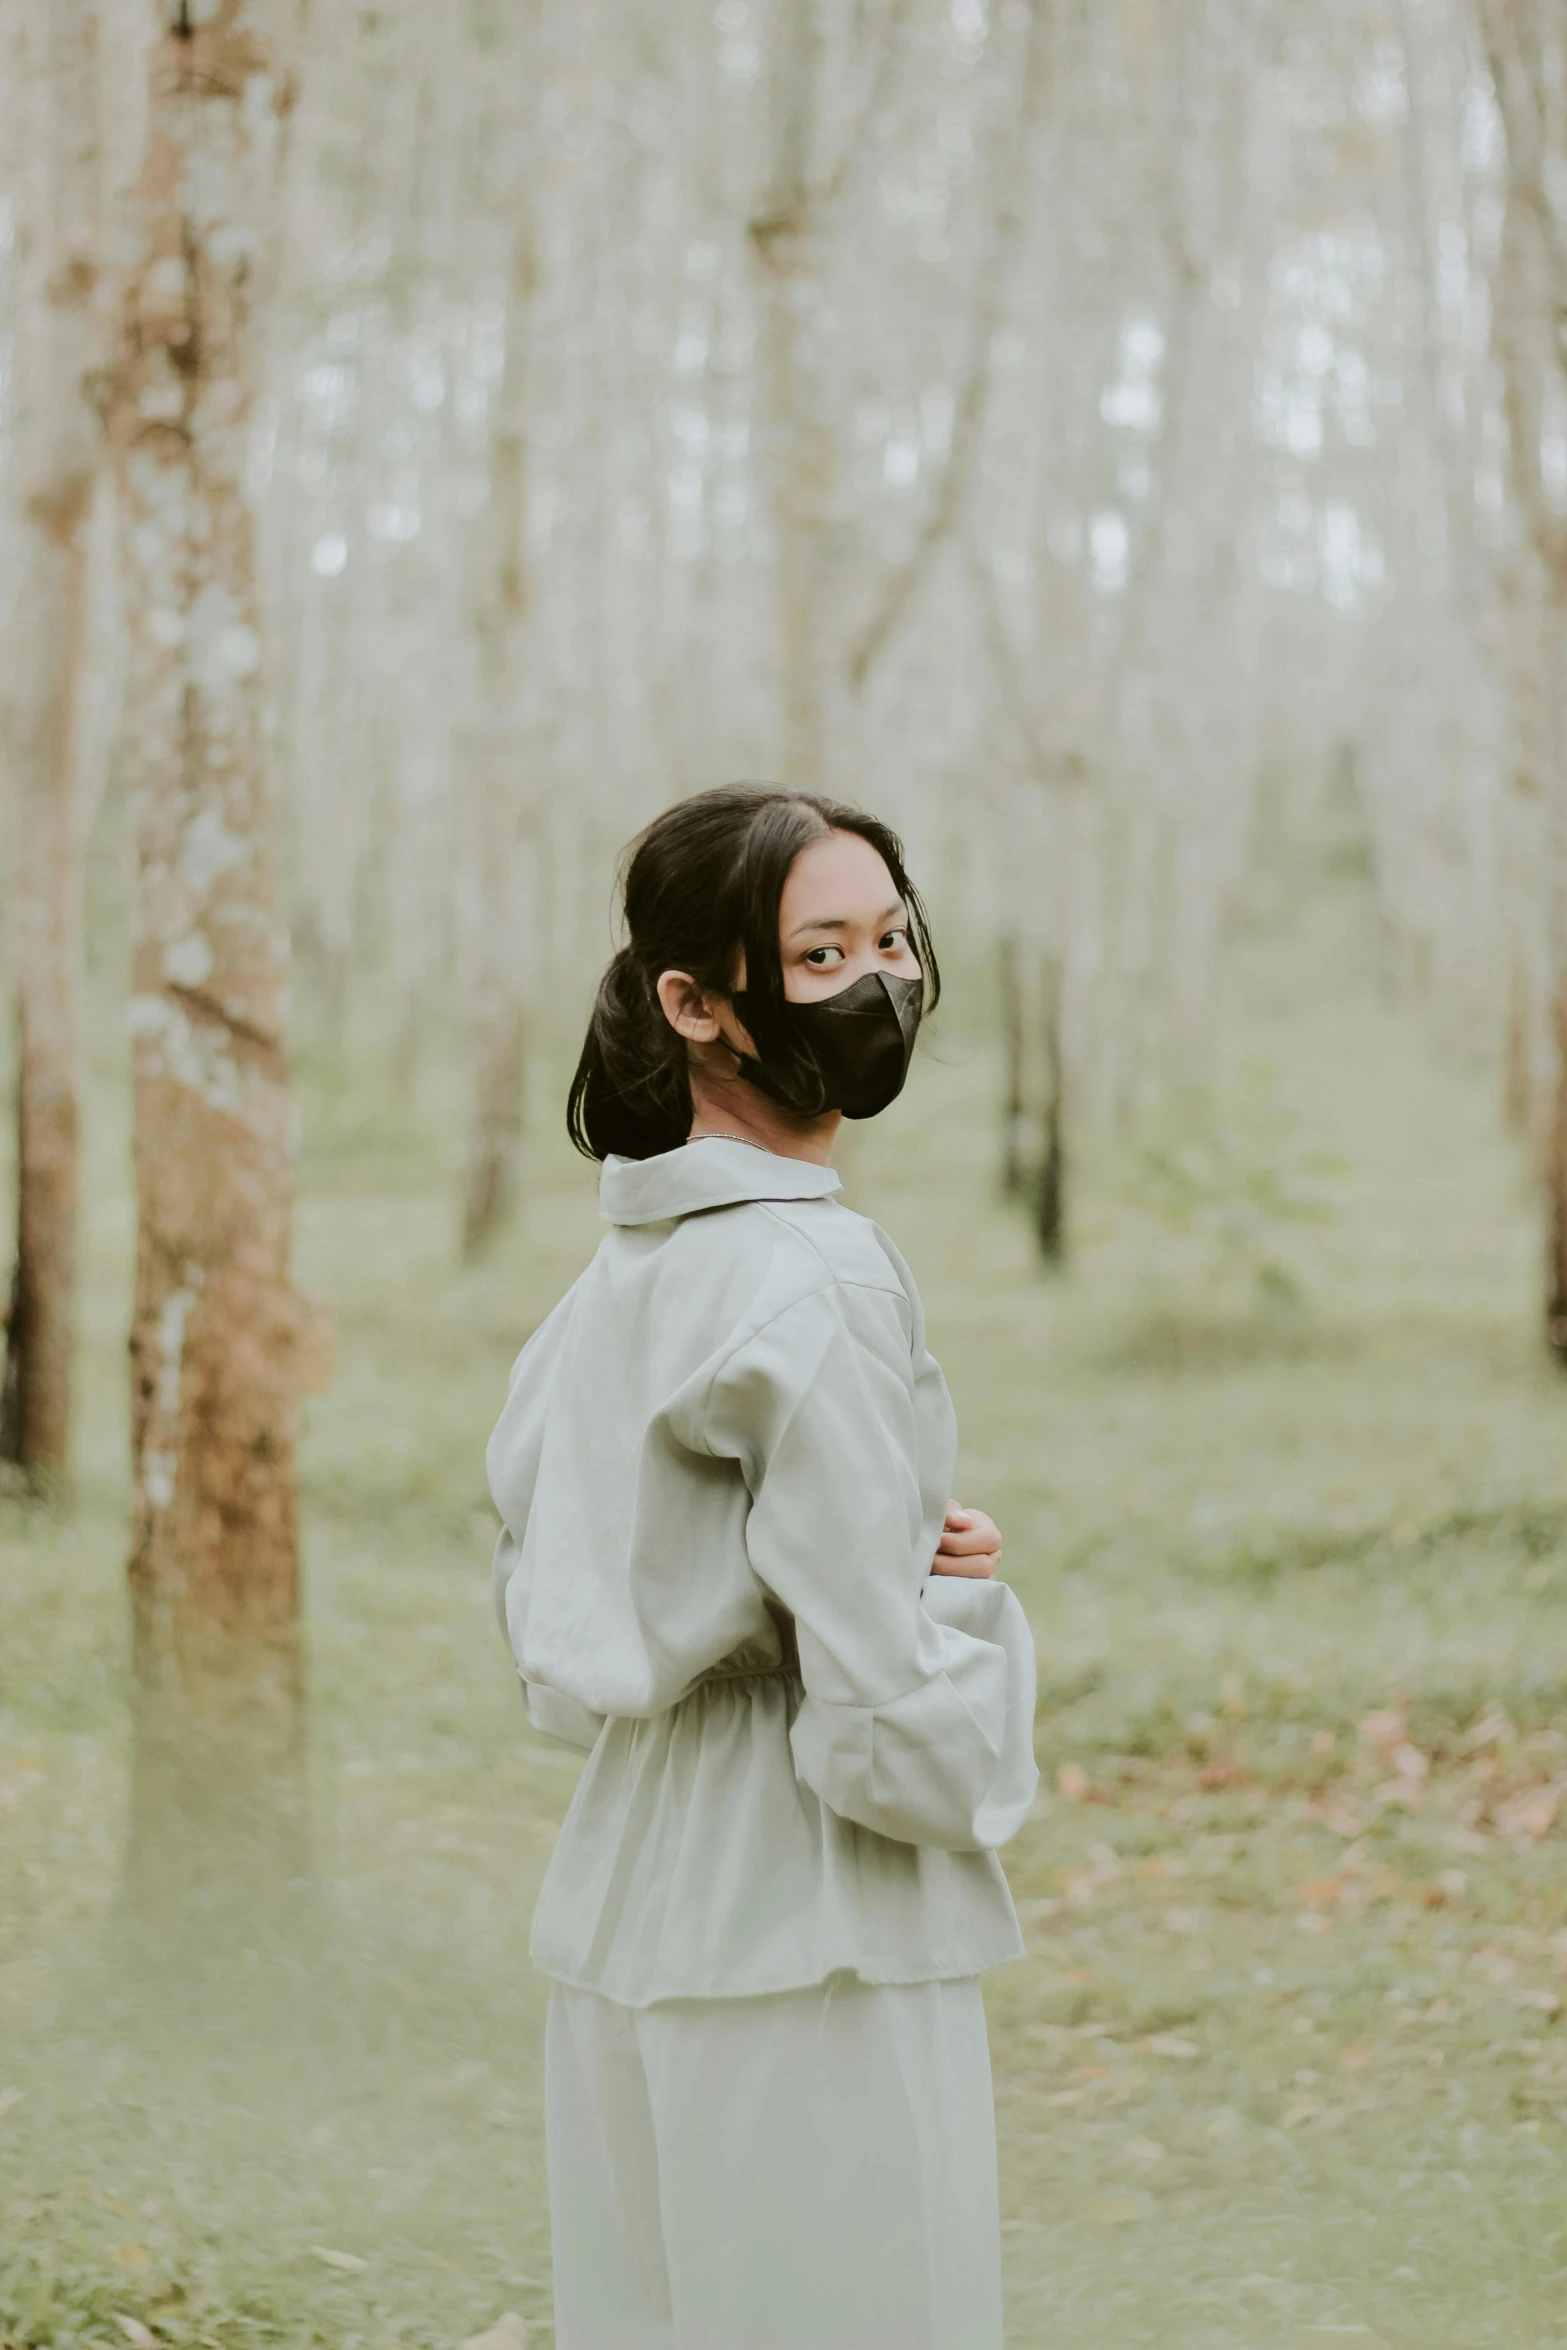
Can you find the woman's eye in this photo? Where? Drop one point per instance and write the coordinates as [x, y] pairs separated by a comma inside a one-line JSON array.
[[817, 957], [893, 939]]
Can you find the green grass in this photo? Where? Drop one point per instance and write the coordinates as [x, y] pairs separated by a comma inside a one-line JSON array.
[[1287, 2061]]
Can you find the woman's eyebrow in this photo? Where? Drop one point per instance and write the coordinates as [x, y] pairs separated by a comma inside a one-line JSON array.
[[890, 913]]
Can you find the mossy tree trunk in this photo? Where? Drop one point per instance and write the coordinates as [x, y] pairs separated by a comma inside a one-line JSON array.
[[214, 1568]]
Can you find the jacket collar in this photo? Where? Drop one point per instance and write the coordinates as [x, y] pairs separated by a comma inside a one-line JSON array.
[[712, 1173]]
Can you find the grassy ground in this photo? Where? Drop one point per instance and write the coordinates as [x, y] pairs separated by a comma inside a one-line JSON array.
[[1287, 2061]]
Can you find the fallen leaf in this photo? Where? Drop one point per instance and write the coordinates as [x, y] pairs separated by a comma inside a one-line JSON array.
[[1072, 1781], [1548, 2002], [509, 2332], [132, 2256], [1410, 1763], [1386, 1728], [1172, 2044], [348, 2261], [1221, 1770], [1323, 1890], [1531, 1813], [135, 2332]]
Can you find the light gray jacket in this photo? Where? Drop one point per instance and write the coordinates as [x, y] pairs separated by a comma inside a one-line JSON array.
[[722, 1468]]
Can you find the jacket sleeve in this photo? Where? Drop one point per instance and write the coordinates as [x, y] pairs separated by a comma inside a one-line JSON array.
[[512, 1460], [550, 1711], [918, 1713]]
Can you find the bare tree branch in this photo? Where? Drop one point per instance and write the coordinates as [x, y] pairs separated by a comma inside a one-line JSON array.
[[903, 581]]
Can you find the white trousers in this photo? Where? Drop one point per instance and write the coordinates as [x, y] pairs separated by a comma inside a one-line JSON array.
[[811, 2170]]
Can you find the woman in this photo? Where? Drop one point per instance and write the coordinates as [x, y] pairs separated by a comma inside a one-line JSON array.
[[723, 1470]]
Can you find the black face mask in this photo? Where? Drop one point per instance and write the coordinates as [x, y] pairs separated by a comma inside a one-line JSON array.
[[850, 1051]]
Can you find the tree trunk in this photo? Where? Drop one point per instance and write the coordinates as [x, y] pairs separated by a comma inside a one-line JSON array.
[[58, 453], [1014, 1107], [217, 1786], [501, 846], [788, 244], [1530, 300], [1050, 1190], [1556, 1188], [503, 906]]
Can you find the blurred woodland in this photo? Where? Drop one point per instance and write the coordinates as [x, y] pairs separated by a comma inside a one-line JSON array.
[[434, 438], [1124, 442]]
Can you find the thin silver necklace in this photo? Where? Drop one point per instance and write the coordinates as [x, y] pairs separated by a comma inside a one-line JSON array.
[[721, 1137]]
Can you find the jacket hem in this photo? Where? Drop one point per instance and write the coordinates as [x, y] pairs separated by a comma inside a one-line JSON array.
[[934, 1971]]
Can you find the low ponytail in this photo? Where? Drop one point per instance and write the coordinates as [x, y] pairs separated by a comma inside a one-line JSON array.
[[631, 1095], [701, 889]]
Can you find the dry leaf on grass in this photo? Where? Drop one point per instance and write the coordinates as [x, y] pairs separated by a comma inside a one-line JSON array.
[[350, 2262], [1532, 1812], [142, 2337], [509, 2332]]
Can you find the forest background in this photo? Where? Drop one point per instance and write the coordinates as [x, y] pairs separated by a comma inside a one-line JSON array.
[[1126, 445]]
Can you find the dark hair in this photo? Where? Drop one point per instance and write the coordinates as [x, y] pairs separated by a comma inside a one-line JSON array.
[[702, 883]]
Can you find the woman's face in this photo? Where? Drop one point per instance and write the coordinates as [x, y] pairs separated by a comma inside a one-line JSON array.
[[840, 916]]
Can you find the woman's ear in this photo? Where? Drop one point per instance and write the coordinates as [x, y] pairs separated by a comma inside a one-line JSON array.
[[686, 1008]]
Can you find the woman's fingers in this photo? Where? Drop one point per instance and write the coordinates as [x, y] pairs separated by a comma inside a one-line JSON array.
[[978, 1534], [970, 1544]]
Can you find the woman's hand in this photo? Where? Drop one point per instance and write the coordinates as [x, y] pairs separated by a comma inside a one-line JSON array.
[[970, 1544]]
